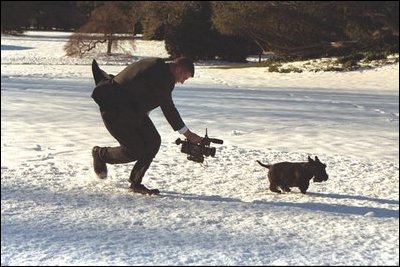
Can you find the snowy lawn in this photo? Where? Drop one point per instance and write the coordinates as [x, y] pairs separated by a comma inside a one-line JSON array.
[[55, 212]]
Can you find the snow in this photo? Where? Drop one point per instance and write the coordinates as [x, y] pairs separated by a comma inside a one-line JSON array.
[[55, 212]]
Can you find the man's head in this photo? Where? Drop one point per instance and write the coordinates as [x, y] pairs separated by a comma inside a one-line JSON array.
[[182, 68]]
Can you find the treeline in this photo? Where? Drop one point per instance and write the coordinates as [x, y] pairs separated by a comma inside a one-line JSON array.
[[17, 16], [228, 30]]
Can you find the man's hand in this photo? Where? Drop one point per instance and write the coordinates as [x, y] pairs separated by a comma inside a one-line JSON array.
[[192, 137]]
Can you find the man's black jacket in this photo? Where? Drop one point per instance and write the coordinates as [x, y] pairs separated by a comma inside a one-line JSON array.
[[143, 86]]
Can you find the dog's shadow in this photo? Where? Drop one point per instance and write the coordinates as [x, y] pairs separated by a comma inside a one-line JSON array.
[[365, 210], [324, 207], [364, 198]]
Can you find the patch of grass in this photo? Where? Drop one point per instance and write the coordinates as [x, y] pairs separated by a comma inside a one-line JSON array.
[[350, 58], [240, 66], [371, 56], [350, 62], [273, 68]]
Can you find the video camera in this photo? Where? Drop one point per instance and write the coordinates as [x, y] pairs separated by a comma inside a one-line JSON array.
[[196, 152]]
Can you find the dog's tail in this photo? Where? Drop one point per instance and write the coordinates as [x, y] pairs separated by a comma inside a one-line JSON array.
[[264, 165]]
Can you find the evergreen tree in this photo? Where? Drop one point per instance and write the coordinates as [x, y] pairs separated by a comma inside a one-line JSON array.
[[16, 16], [310, 28], [189, 32], [154, 16]]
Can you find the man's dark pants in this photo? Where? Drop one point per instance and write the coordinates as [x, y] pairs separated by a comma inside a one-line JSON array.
[[138, 139]]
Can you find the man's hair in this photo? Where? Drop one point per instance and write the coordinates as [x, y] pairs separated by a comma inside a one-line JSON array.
[[185, 63]]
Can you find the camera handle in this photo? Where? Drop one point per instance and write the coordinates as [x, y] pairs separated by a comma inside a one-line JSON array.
[[206, 141]]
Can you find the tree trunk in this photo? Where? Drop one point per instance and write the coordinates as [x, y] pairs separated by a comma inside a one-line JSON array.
[[109, 45]]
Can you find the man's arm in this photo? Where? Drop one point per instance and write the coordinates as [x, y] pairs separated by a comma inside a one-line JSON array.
[[171, 114], [173, 117]]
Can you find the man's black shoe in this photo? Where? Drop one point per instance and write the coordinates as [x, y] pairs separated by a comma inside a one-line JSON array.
[[139, 188], [100, 167]]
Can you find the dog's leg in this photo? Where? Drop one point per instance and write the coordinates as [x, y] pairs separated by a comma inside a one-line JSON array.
[[303, 188], [286, 189], [274, 188]]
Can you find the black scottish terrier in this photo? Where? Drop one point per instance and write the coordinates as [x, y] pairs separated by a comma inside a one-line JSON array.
[[299, 174]]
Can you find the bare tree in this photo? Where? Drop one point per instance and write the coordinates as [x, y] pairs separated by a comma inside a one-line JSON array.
[[107, 23]]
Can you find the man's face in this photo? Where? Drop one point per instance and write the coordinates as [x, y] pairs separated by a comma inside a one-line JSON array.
[[182, 76]]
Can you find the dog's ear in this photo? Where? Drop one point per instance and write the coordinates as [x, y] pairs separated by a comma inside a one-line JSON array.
[[310, 159], [317, 159]]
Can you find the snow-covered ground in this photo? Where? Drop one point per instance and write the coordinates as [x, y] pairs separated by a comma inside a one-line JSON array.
[[55, 212]]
